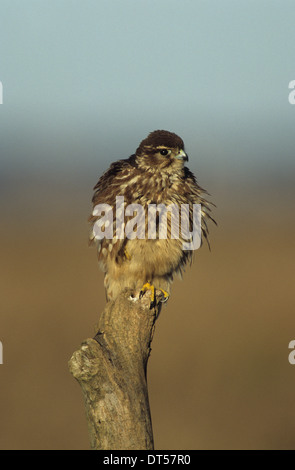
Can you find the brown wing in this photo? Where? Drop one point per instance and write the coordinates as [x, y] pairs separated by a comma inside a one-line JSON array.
[[197, 195], [119, 180]]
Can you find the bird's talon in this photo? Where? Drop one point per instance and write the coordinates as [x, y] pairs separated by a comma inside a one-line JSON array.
[[165, 295], [148, 286]]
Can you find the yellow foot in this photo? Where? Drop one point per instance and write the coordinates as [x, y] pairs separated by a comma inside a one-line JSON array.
[[148, 286]]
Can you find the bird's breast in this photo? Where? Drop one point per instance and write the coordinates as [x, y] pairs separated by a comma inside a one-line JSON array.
[[158, 257]]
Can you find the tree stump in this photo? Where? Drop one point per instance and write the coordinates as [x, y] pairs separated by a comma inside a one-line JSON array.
[[111, 370]]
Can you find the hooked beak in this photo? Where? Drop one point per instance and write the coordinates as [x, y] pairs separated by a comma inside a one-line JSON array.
[[182, 156]]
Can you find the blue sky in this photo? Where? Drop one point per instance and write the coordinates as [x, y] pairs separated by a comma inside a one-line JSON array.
[[84, 81]]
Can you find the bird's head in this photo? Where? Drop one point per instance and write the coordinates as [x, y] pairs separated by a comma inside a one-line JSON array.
[[163, 150]]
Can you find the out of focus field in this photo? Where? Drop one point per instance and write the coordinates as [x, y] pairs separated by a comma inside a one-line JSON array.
[[218, 375]]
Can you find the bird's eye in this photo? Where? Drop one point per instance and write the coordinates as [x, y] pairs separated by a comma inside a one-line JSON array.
[[164, 152]]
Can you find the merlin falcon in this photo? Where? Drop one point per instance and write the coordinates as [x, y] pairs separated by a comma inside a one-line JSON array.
[[155, 176]]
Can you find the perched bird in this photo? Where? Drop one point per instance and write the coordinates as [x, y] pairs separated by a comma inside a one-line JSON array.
[[142, 259]]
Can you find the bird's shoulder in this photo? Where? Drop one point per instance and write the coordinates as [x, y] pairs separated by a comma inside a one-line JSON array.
[[117, 170], [113, 179]]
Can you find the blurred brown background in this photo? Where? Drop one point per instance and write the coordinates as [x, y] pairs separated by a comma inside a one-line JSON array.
[[218, 376], [83, 84]]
